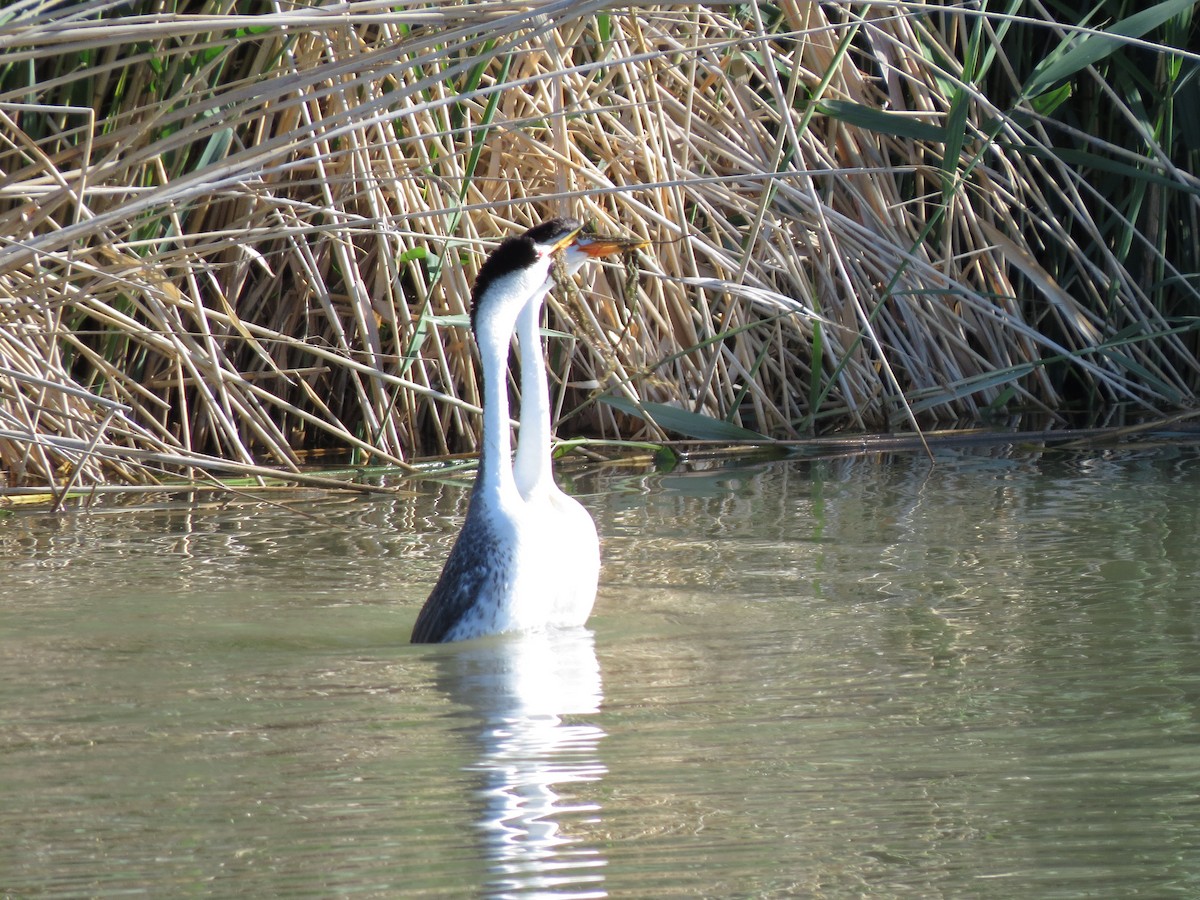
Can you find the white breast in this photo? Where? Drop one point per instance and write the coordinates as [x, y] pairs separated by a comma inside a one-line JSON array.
[[569, 555]]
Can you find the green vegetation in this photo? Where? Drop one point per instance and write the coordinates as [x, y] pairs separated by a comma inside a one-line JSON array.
[[237, 231]]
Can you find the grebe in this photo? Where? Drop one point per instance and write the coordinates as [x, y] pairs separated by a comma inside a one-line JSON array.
[[527, 555], [570, 546]]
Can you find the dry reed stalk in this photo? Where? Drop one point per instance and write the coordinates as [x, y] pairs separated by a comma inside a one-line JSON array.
[[259, 236]]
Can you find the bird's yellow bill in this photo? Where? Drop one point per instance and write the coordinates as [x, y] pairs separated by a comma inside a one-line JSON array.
[[596, 245], [567, 239]]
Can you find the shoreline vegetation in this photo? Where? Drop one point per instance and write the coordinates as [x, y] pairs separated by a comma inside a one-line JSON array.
[[235, 235]]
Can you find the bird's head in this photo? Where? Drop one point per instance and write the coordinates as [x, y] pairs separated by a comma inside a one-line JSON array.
[[521, 265]]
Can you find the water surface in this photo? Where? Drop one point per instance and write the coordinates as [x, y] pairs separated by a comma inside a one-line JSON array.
[[875, 676]]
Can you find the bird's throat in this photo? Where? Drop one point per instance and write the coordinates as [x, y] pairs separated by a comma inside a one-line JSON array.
[[533, 468]]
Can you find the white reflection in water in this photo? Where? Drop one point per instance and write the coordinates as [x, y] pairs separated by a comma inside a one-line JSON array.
[[522, 686]]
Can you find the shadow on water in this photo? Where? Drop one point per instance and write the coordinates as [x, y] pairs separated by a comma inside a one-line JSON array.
[[524, 689]]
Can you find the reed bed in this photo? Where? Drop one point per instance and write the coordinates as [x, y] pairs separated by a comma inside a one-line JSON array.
[[228, 240]]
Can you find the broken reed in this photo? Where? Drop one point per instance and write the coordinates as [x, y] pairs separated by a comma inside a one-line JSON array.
[[231, 237]]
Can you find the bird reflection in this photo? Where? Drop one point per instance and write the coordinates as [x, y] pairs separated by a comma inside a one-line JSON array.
[[522, 685]]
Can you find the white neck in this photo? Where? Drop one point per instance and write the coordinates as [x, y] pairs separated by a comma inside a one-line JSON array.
[[493, 333], [532, 466], [495, 320]]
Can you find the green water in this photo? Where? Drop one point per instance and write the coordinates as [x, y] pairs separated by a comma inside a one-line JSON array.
[[880, 676]]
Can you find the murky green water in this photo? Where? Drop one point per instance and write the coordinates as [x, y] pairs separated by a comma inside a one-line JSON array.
[[837, 678]]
